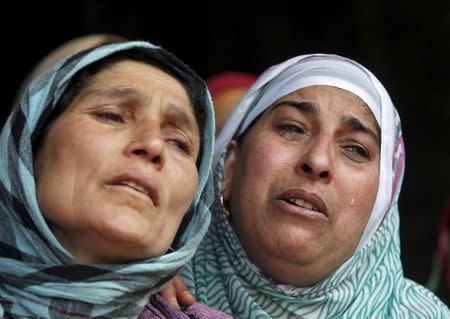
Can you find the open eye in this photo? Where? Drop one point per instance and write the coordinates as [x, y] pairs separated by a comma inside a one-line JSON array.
[[356, 152], [110, 117]]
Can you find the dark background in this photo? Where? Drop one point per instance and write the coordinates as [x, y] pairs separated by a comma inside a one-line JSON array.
[[406, 44]]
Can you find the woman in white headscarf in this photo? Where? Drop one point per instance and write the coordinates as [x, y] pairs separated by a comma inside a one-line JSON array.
[[308, 169]]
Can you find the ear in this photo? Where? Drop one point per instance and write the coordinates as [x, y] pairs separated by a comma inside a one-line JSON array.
[[230, 160]]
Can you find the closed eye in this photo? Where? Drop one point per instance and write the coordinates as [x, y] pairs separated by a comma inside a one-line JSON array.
[[181, 145], [290, 130], [110, 117]]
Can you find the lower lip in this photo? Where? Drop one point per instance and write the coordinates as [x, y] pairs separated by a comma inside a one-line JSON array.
[[132, 191], [301, 211]]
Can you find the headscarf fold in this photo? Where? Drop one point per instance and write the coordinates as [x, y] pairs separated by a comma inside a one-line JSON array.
[[368, 285], [38, 277]]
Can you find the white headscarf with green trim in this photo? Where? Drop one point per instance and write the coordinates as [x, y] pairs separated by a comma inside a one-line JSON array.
[[368, 285]]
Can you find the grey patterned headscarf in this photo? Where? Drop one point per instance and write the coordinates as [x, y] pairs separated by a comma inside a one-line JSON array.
[[38, 277]]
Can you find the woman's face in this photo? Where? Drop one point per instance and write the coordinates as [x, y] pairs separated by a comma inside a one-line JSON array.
[[117, 170], [302, 183]]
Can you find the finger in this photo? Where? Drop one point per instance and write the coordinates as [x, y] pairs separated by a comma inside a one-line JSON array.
[[169, 293], [184, 297]]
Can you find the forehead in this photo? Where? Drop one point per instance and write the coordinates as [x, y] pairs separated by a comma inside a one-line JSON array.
[[138, 80], [144, 75], [325, 99]]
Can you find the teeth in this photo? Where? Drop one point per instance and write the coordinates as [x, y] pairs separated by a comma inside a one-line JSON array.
[[302, 203], [135, 186]]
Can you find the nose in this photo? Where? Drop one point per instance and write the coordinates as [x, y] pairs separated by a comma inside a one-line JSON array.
[[148, 145], [316, 162]]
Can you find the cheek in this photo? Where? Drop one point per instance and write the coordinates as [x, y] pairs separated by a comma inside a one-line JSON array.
[[54, 183], [357, 200], [364, 193], [263, 161], [62, 168], [182, 186], [258, 169], [248, 173]]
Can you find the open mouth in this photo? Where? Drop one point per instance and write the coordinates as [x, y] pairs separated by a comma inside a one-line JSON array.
[[135, 186], [302, 203], [300, 198], [138, 182]]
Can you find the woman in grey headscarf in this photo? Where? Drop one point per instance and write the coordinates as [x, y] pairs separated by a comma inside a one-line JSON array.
[[104, 166]]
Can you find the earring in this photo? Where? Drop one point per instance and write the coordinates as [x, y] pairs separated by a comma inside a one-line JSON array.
[[225, 211]]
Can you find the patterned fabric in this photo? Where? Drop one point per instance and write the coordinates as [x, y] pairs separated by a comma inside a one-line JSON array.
[[38, 277], [159, 308], [368, 285]]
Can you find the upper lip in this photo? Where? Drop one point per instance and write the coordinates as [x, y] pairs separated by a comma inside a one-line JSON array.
[[140, 179], [298, 193]]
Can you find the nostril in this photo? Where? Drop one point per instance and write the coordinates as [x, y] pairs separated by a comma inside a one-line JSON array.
[[140, 152], [156, 159], [309, 170], [323, 174], [306, 168]]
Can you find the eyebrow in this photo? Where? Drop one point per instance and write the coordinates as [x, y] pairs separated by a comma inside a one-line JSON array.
[[357, 126], [304, 107], [175, 112]]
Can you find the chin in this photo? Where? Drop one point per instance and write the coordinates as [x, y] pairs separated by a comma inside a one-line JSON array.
[[120, 251], [288, 272], [289, 247], [131, 236]]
